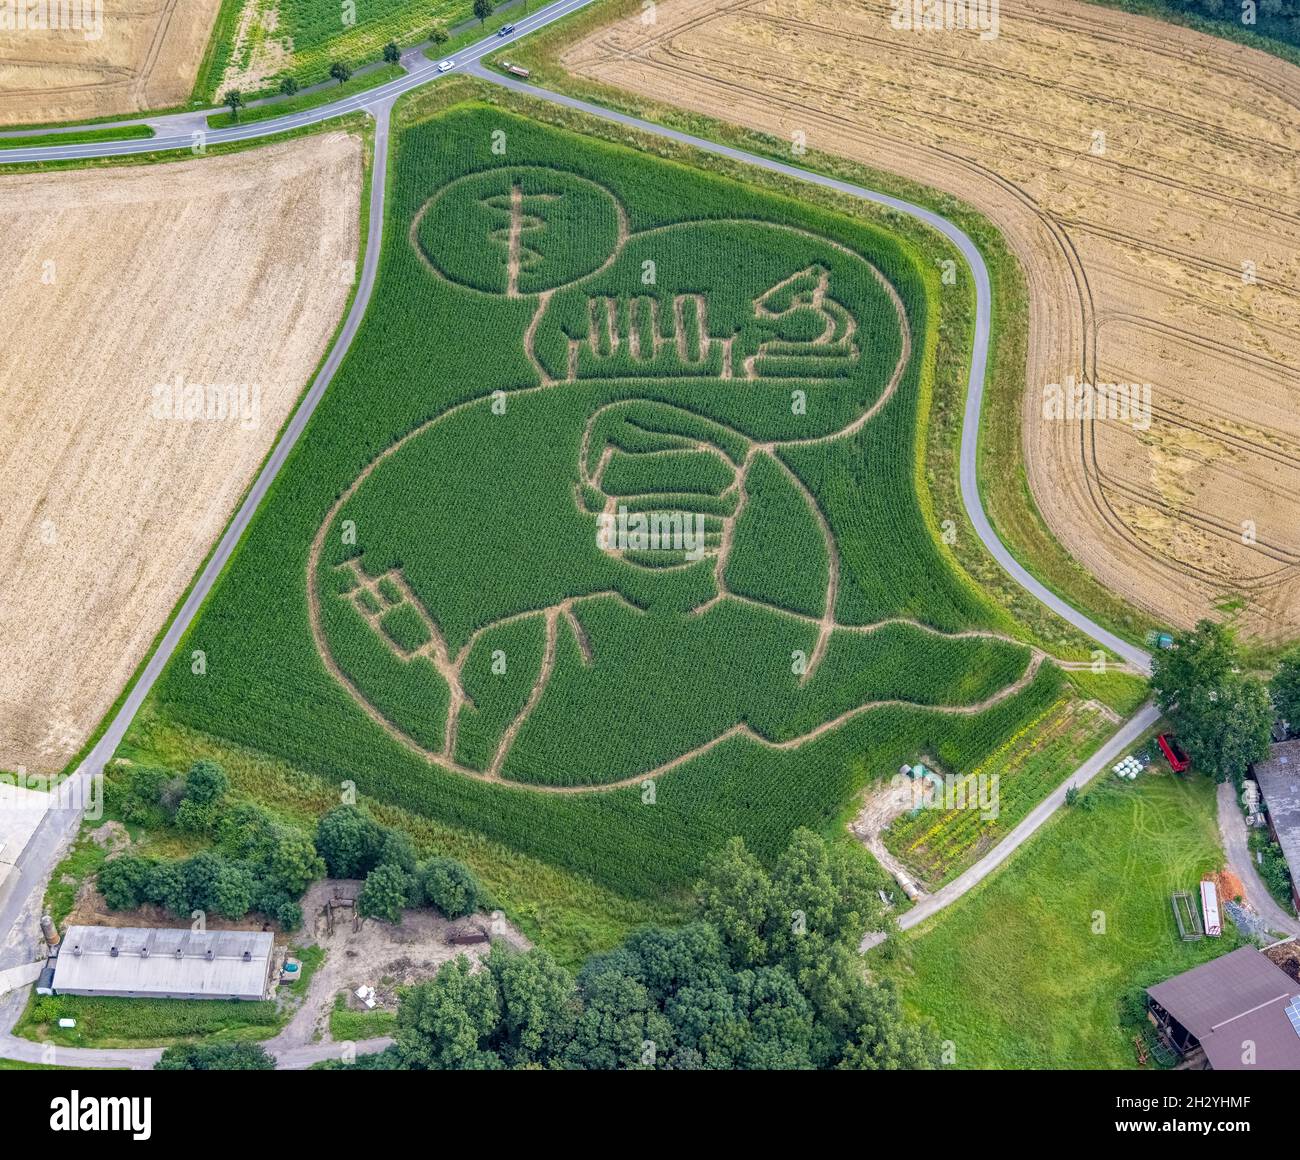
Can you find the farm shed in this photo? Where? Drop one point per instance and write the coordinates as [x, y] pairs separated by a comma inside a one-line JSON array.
[[140, 962], [1214, 1013], [1279, 784]]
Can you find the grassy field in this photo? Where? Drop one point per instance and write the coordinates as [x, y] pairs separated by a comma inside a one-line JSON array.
[[304, 37], [530, 548], [144, 1022], [347, 1025], [1014, 974], [301, 101], [83, 137]]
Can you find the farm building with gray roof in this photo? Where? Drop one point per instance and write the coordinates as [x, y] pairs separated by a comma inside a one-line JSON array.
[[1279, 786], [142, 962]]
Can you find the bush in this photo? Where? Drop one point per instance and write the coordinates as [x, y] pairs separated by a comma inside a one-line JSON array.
[[288, 86], [216, 1057], [386, 893], [450, 887], [206, 783], [125, 882], [349, 841]]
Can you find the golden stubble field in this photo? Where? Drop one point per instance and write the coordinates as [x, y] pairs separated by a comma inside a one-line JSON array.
[[127, 56], [140, 303], [1147, 178]]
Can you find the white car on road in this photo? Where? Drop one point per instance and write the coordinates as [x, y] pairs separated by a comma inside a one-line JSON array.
[[446, 66]]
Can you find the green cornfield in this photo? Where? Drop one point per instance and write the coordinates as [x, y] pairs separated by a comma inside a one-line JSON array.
[[563, 336]]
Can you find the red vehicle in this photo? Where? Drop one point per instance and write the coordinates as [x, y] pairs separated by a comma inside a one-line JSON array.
[[1178, 760]]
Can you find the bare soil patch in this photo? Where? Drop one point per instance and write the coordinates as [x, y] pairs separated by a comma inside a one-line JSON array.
[[382, 955], [1146, 176], [223, 272], [146, 56]]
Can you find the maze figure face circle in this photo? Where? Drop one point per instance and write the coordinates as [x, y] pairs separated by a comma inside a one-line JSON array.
[[519, 230]]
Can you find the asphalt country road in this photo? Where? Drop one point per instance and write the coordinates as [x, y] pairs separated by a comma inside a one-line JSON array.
[[22, 896]]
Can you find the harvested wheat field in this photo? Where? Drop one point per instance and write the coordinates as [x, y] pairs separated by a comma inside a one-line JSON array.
[[1146, 176], [163, 320], [127, 57]]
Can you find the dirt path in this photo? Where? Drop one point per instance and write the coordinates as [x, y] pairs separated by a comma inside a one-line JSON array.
[[883, 805], [1235, 834]]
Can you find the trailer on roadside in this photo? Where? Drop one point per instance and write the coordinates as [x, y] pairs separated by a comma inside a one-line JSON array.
[[1210, 908], [1178, 760]]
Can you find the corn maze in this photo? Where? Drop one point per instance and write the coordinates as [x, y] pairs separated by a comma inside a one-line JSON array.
[[606, 540], [749, 577]]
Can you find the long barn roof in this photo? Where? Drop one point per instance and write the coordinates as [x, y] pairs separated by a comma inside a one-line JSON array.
[[1279, 782], [159, 961]]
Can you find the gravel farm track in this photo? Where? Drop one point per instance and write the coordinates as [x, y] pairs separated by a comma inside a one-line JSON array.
[[22, 897], [1146, 177]]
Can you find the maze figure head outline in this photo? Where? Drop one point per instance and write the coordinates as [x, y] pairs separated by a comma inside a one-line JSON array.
[[632, 462]]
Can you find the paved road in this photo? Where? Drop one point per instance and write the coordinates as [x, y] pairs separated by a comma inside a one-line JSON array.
[[176, 131], [18, 908], [1232, 828]]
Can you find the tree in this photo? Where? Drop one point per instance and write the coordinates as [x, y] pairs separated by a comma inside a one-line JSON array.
[[392, 54], [292, 863], [482, 10], [1225, 728], [206, 783], [205, 790], [1223, 720], [735, 895], [396, 847], [349, 840], [539, 1005], [620, 1029], [450, 887], [288, 86], [1285, 688], [1199, 659], [234, 99], [144, 791], [124, 882], [166, 887], [215, 886], [215, 1057], [686, 999], [438, 34], [448, 1022], [340, 71], [386, 893], [883, 1040]]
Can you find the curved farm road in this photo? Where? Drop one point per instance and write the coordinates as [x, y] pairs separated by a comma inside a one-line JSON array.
[[21, 898], [1232, 828]]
